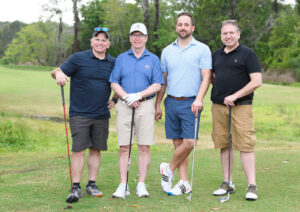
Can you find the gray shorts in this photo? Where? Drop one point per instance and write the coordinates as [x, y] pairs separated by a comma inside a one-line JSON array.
[[88, 133]]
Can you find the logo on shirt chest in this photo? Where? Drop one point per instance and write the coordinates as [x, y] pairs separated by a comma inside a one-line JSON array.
[[147, 67]]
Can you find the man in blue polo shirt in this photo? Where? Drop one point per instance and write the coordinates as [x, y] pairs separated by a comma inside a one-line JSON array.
[[186, 65], [136, 78], [89, 107]]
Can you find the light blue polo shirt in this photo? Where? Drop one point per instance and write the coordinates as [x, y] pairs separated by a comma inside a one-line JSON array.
[[184, 67], [136, 74]]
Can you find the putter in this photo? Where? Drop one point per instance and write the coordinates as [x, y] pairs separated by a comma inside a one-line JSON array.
[[128, 164], [63, 102], [224, 199], [195, 138]]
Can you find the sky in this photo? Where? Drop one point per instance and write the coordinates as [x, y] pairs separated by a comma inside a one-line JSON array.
[[29, 11]]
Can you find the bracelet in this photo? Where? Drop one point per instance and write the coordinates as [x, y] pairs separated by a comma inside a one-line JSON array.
[[115, 100]]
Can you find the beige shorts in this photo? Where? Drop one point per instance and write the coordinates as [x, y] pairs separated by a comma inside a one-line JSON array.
[[242, 127], [143, 128]]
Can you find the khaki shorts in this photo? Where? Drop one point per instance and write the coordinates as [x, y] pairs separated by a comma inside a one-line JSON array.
[[242, 127], [143, 128]]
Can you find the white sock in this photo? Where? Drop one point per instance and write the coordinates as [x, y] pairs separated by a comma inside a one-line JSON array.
[[169, 171], [140, 183]]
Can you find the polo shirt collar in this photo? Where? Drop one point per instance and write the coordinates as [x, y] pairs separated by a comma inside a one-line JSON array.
[[235, 50], [107, 56], [145, 53], [193, 42]]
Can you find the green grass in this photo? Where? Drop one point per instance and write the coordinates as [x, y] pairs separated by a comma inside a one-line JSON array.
[[34, 166]]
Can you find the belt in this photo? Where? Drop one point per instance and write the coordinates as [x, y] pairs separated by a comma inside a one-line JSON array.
[[146, 98], [179, 98], [246, 102]]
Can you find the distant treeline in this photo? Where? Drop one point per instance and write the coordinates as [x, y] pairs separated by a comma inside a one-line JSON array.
[[270, 27]]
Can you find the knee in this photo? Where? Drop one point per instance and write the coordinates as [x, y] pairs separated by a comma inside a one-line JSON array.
[[144, 148], [190, 144], [124, 150]]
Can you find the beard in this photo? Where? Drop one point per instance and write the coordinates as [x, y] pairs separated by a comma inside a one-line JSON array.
[[185, 36]]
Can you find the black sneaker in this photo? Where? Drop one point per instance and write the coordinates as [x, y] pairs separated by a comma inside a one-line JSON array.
[[251, 192], [75, 194], [92, 189]]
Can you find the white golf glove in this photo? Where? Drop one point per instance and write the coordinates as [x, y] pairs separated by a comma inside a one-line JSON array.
[[132, 97]]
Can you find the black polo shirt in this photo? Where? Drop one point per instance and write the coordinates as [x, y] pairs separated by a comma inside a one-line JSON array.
[[232, 72], [90, 88]]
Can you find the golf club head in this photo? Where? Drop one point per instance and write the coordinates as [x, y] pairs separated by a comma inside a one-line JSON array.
[[224, 199], [189, 198]]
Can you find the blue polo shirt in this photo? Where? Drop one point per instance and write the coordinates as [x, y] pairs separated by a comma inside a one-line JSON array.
[[90, 88], [183, 66], [136, 74]]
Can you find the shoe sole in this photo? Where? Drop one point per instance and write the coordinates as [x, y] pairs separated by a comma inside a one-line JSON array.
[[230, 192]]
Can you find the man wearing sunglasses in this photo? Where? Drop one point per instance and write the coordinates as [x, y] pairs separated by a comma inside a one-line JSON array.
[[89, 107], [136, 78]]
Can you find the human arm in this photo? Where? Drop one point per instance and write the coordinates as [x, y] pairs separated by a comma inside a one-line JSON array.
[[111, 103], [159, 97], [255, 82], [60, 76], [198, 103]]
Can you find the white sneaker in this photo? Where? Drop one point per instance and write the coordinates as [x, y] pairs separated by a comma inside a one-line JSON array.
[[251, 192], [223, 189], [119, 193], [180, 188], [141, 190], [166, 179]]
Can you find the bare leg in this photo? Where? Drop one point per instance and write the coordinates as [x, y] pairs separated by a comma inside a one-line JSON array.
[[224, 162], [123, 161], [180, 157], [93, 163], [143, 161], [248, 163], [77, 165], [183, 166]]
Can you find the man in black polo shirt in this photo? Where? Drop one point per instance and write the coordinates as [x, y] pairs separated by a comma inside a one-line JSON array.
[[236, 74], [89, 107]]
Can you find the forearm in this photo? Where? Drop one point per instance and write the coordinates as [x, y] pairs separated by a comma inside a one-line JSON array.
[[118, 90], [150, 90], [54, 72], [206, 79], [160, 94], [255, 82]]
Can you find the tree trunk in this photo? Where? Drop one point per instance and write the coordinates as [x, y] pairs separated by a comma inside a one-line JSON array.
[[156, 25], [145, 5], [233, 9], [76, 44], [275, 6]]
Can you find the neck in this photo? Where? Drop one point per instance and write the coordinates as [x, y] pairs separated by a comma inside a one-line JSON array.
[[101, 55], [228, 49], [184, 42], [138, 51]]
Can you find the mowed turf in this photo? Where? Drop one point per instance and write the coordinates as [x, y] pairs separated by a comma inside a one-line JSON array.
[[34, 173]]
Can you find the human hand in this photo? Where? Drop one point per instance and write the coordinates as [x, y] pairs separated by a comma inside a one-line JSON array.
[[61, 78], [132, 97], [229, 100], [158, 113], [110, 104], [196, 107]]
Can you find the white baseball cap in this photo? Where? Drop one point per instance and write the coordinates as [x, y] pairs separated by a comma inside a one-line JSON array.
[[138, 27]]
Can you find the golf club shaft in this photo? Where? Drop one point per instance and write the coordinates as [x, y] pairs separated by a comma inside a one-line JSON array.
[[195, 139], [130, 142], [63, 101], [229, 145]]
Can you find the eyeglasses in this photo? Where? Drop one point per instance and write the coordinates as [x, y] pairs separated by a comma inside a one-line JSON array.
[[102, 29], [137, 35]]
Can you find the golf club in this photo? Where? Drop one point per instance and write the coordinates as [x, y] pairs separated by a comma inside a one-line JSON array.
[[195, 139], [130, 142], [63, 102], [224, 199]]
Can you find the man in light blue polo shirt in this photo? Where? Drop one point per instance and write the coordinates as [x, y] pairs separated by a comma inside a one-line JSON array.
[[186, 65], [136, 78]]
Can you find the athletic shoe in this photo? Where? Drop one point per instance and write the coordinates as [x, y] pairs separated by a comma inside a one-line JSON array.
[[93, 190], [224, 188], [166, 179], [119, 193], [141, 190], [251, 192], [180, 188], [75, 194]]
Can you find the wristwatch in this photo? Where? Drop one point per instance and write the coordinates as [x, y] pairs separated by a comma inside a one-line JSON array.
[[115, 100]]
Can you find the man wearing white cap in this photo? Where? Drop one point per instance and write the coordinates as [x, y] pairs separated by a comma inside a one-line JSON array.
[[136, 78]]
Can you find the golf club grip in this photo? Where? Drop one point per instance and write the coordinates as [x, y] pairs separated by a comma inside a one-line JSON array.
[[62, 94]]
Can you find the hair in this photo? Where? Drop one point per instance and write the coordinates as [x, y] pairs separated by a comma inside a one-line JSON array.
[[231, 22], [186, 14]]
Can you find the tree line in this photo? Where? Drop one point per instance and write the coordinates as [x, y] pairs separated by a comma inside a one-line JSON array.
[[269, 26]]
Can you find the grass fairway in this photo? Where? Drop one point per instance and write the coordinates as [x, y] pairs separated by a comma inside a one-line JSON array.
[[34, 165]]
